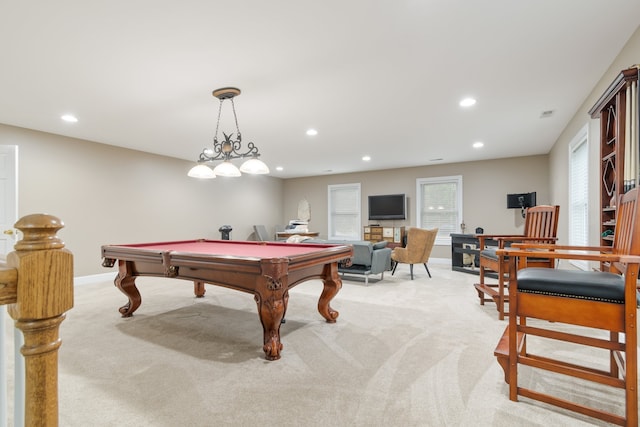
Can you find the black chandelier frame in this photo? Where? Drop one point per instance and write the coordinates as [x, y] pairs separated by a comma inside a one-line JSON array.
[[229, 148]]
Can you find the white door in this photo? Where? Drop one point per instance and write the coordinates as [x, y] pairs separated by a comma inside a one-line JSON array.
[[8, 196], [8, 217]]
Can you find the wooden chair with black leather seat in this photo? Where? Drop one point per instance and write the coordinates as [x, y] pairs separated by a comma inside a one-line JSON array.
[[540, 226], [576, 306]]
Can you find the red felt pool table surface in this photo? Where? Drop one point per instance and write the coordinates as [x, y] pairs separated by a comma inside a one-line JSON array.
[[265, 269], [234, 248]]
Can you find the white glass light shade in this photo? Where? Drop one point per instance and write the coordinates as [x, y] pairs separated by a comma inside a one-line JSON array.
[[227, 169], [254, 166], [201, 171]]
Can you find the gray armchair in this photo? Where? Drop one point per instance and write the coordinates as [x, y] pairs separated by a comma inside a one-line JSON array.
[[368, 258], [260, 233]]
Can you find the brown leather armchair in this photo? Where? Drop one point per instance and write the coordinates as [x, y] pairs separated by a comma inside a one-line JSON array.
[[418, 250]]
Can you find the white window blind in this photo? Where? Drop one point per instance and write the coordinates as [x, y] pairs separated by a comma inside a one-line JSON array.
[[440, 205], [344, 212], [579, 193]]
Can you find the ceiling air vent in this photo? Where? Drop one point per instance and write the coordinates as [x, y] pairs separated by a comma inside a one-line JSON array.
[[546, 113]]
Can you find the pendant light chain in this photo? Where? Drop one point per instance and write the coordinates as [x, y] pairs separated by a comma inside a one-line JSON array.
[[215, 136], [233, 107]]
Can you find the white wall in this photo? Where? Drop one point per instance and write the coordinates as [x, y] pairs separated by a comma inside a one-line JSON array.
[[111, 195]]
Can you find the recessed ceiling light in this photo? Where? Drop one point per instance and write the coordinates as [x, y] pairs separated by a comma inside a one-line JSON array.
[[279, 168], [366, 158], [467, 102], [69, 118], [478, 144], [312, 132]]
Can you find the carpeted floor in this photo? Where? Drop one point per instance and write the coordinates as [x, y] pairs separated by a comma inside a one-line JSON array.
[[403, 353]]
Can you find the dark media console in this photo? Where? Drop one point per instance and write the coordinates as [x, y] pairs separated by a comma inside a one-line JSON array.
[[465, 253]]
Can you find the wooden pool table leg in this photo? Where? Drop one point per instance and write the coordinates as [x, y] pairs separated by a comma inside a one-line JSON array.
[[272, 297], [332, 284], [198, 289], [127, 285]]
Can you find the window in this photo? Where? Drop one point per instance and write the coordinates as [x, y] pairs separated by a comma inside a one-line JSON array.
[[439, 204], [579, 193], [344, 212]]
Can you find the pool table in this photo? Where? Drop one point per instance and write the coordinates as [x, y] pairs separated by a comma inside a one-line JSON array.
[[265, 269]]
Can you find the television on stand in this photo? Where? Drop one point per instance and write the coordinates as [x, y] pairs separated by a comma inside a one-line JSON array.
[[387, 207]]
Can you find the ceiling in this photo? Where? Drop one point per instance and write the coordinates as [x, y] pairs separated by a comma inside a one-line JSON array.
[[376, 78]]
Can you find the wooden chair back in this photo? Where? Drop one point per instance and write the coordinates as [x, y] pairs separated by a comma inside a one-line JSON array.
[[627, 235], [542, 221]]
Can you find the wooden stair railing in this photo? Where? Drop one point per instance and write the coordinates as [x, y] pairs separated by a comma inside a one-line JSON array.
[[37, 282]]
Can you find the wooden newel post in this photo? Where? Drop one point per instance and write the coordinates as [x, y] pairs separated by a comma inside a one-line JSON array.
[[44, 295]]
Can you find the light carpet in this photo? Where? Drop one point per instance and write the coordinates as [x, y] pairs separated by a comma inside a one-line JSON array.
[[402, 353]]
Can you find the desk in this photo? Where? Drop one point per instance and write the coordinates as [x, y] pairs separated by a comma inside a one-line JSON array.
[[286, 234], [266, 270]]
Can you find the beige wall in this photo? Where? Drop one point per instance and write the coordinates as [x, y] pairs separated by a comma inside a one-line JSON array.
[[485, 188], [559, 155], [112, 195], [106, 194]]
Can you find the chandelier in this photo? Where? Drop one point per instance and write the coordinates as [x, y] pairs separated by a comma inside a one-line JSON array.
[[228, 149]]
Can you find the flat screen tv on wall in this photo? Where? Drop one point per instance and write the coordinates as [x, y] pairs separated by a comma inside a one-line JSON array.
[[388, 206], [521, 200]]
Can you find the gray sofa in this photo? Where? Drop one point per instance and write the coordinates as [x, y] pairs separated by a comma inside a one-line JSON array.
[[368, 258]]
